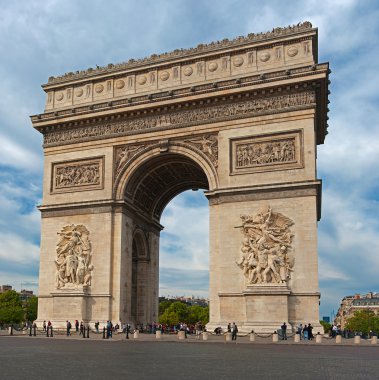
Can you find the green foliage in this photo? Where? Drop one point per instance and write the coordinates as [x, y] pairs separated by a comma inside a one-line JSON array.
[[31, 307], [327, 326], [363, 321], [163, 305], [175, 312], [11, 310]]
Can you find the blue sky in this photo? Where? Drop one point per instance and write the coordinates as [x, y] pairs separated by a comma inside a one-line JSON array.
[[43, 38]]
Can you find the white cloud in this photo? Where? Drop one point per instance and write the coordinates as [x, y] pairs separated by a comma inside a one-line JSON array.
[[184, 241], [15, 249]]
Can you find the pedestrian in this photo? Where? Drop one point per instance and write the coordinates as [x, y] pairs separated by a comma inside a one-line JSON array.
[[229, 328], [44, 326], [305, 332], [234, 330], [68, 328], [97, 327], [127, 328], [284, 331], [199, 329], [300, 329], [81, 328], [76, 325], [310, 334]]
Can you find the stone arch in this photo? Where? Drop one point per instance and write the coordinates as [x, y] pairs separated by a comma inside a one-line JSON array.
[[154, 151], [151, 179]]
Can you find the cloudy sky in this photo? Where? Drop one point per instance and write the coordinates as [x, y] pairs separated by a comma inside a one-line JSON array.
[[50, 37]]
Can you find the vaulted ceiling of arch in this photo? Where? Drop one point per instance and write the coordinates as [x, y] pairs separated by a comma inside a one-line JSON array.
[[158, 181]]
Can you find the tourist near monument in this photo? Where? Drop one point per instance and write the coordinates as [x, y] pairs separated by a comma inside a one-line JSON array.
[[240, 119]]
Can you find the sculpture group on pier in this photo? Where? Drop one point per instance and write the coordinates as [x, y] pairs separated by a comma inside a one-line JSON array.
[[73, 262], [264, 255]]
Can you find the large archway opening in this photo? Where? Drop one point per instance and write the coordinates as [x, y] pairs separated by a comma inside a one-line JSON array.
[[149, 189], [184, 247]]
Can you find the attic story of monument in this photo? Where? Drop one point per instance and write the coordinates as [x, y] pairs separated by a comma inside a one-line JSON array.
[[238, 118]]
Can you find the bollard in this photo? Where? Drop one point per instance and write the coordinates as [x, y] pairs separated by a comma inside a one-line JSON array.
[[83, 332], [228, 337], [51, 331], [181, 335], [297, 338], [88, 331], [252, 336], [158, 334], [205, 335], [318, 338], [357, 339], [103, 332], [374, 339], [338, 339], [47, 331], [275, 337], [136, 334], [30, 330], [35, 330], [10, 330]]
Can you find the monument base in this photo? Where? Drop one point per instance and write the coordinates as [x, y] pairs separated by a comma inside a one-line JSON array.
[[260, 307]]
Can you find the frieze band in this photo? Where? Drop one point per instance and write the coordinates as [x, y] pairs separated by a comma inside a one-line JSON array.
[[182, 118]]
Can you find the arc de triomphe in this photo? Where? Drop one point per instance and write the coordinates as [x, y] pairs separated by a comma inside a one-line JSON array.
[[238, 118]]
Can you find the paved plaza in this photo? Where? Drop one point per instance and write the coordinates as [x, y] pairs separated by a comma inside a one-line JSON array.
[[24, 357]]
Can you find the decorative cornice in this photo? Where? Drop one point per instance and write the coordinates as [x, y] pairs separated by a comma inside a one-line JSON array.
[[180, 53], [190, 90], [266, 192]]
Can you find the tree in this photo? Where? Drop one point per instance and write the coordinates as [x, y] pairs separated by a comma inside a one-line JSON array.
[[163, 305], [198, 313], [175, 312], [363, 321], [31, 308], [11, 310], [327, 326]]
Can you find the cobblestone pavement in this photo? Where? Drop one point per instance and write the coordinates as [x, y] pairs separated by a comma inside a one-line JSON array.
[[24, 357]]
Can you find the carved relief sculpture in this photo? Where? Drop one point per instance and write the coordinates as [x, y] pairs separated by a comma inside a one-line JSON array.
[[73, 262], [208, 145], [263, 153], [264, 254], [275, 152], [77, 175], [123, 154]]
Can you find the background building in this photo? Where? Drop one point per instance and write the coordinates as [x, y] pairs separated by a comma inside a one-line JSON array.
[[351, 304]]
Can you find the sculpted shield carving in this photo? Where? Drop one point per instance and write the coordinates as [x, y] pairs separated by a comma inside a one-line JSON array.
[[265, 257], [73, 262]]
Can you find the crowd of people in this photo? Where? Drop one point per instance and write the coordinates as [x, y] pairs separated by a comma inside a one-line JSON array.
[[305, 331]]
